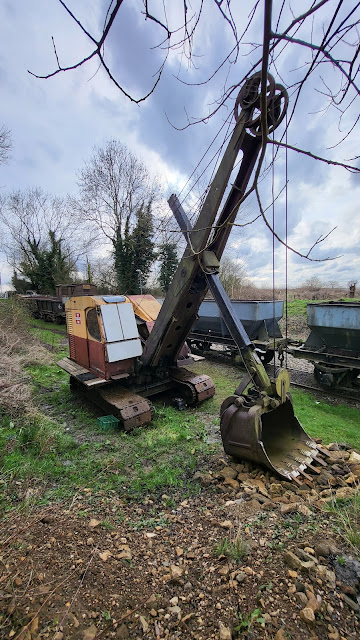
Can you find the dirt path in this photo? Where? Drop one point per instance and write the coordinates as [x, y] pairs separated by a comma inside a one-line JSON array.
[[248, 557]]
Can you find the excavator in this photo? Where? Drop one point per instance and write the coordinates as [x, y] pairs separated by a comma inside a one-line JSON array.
[[124, 349]]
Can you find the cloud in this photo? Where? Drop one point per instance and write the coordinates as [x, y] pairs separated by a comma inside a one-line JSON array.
[[56, 123]]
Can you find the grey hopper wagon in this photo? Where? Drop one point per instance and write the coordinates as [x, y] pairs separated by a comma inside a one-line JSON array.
[[333, 344]]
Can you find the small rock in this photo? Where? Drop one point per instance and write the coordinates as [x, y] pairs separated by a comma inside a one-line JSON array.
[[94, 523], [174, 601], [333, 446], [354, 458], [325, 574], [224, 632], [122, 632], [313, 602], [353, 605], [307, 615], [305, 511], [176, 572], [203, 477], [292, 574], [280, 635], [230, 482], [179, 551], [228, 472], [58, 635], [105, 555], [289, 508], [227, 524], [90, 541], [144, 624], [176, 611], [90, 633], [240, 577], [301, 597], [334, 636]]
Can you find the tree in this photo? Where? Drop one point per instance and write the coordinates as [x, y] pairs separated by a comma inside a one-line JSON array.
[[114, 185], [313, 283], [5, 144], [117, 197], [43, 242], [134, 252], [168, 264], [232, 276], [20, 284]]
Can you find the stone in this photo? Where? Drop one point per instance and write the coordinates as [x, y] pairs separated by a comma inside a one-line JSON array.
[[144, 624], [354, 458], [176, 611], [302, 599], [228, 472], [334, 636], [122, 632], [58, 635], [254, 483], [105, 555], [293, 507], [226, 524], [295, 563], [224, 632], [230, 482], [90, 633], [276, 489], [174, 601], [240, 577], [333, 446], [313, 602], [94, 523], [307, 615], [353, 605], [280, 635], [327, 575], [203, 477], [305, 511], [176, 572]]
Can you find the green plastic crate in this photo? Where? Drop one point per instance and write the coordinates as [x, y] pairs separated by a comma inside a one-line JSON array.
[[108, 421]]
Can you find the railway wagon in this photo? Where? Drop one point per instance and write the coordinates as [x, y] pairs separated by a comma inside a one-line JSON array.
[[260, 319], [52, 308], [333, 345]]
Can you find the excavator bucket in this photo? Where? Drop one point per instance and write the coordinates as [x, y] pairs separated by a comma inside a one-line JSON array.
[[272, 437]]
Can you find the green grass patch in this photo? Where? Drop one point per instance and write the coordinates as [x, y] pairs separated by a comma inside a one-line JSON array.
[[347, 514], [332, 423]]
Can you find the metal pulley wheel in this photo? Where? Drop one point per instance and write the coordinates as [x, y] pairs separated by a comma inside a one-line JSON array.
[[249, 100]]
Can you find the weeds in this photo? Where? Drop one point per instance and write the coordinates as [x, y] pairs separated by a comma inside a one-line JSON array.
[[248, 620], [347, 514], [235, 549]]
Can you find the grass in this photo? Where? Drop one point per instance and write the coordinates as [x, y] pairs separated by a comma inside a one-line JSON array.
[[235, 549], [298, 307], [61, 448], [332, 423], [347, 516]]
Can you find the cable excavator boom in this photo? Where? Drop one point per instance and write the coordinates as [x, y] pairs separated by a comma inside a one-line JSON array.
[[125, 349]]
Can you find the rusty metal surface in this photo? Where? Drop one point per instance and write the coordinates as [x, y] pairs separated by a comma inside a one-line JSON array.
[[200, 386], [269, 436]]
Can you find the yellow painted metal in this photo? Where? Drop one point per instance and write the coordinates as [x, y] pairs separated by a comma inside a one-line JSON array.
[[146, 307], [282, 384]]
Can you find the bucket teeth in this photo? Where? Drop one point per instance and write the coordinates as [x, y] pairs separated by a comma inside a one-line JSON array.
[[320, 460], [323, 451], [314, 469], [306, 475]]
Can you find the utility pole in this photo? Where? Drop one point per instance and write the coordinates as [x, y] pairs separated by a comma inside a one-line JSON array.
[[139, 272]]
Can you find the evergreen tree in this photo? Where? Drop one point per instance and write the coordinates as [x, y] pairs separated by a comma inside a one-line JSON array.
[[134, 251], [169, 262], [46, 266]]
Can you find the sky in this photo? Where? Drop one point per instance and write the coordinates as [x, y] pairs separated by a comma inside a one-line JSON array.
[[56, 123]]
